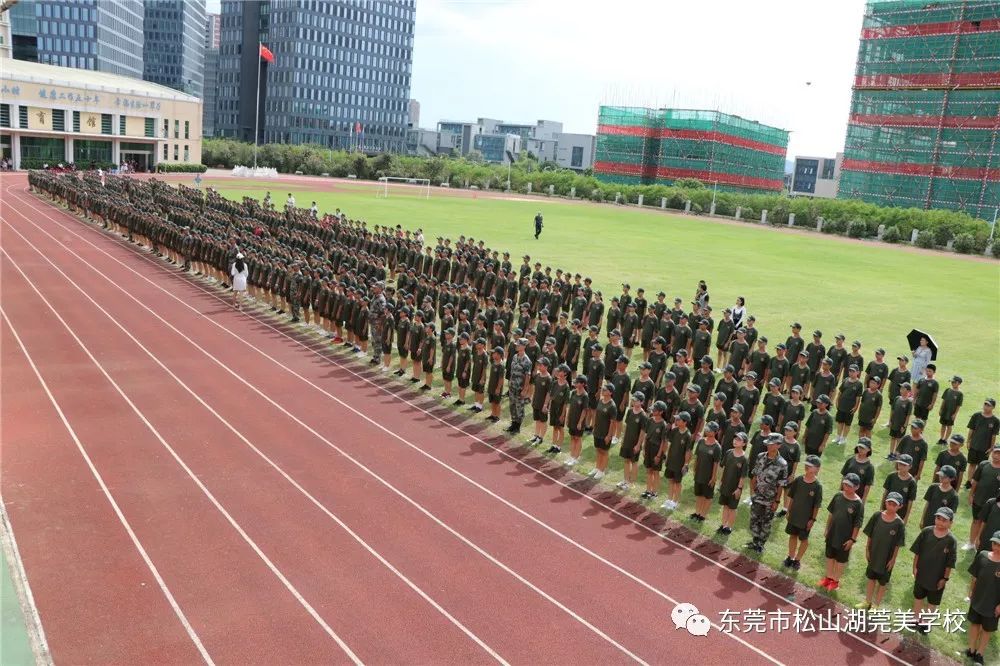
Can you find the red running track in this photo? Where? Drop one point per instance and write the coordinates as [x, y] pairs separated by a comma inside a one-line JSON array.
[[293, 507]]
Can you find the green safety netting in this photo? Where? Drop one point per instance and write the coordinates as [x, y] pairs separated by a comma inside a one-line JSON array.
[[883, 13], [703, 148]]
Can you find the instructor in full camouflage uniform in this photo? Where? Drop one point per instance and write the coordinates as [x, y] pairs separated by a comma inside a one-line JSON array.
[[517, 388], [376, 315], [770, 471]]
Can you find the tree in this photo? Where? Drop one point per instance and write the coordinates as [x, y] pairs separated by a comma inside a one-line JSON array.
[[475, 156]]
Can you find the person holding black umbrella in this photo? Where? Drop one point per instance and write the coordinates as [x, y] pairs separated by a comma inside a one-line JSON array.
[[923, 353]]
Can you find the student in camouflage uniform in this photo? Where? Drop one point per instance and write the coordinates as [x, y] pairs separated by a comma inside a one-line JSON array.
[[770, 471], [294, 296], [376, 317], [517, 389]]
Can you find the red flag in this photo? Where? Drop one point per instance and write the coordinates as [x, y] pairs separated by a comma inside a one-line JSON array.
[[266, 54], [357, 128]]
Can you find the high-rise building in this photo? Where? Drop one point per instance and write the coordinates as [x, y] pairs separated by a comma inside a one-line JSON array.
[[174, 52], [645, 146], [5, 35], [213, 31], [213, 27], [340, 76], [924, 129], [102, 36], [413, 114], [24, 31]]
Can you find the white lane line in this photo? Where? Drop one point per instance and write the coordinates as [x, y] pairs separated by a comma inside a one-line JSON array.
[[36, 633], [330, 444], [236, 526], [107, 493], [389, 432]]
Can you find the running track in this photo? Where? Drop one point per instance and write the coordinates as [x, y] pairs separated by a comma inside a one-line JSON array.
[[191, 484]]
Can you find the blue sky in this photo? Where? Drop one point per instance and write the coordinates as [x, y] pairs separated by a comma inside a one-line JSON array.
[[788, 63]]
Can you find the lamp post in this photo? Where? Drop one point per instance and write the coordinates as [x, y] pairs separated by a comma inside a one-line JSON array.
[[993, 227]]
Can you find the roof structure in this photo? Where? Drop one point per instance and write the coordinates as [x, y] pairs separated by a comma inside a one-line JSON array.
[[33, 72]]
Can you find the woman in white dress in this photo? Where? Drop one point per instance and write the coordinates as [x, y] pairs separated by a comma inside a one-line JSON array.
[[239, 272], [921, 357], [739, 312]]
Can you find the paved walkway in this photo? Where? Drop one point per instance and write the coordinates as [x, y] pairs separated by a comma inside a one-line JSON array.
[[15, 649]]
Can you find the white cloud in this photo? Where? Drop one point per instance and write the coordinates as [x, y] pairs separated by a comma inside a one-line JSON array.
[[559, 60]]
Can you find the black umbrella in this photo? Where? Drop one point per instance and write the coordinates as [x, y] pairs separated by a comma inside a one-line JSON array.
[[913, 338]]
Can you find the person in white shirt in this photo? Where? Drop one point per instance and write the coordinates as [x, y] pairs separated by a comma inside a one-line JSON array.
[[239, 272], [290, 202]]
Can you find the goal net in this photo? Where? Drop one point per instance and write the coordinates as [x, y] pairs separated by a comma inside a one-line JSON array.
[[406, 186]]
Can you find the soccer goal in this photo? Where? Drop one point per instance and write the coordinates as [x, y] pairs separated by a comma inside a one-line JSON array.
[[418, 186]]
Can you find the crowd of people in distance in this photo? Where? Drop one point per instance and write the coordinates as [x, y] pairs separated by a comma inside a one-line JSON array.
[[708, 404]]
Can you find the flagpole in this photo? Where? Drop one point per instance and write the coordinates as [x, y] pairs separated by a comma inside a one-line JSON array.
[[256, 117]]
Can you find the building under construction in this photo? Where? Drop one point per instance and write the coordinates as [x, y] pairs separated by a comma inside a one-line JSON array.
[[925, 113], [646, 146]]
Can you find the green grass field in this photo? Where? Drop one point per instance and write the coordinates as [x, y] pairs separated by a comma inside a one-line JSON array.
[[870, 292]]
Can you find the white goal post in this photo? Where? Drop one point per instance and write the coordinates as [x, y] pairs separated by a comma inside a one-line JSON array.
[[422, 183]]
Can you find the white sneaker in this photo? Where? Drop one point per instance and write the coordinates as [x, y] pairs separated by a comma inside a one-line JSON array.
[[968, 546], [627, 486], [598, 474], [570, 462], [592, 473], [614, 441], [748, 501], [668, 505], [621, 484]]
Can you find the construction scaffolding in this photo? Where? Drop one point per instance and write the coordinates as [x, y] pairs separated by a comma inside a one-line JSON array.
[[663, 145], [925, 113]]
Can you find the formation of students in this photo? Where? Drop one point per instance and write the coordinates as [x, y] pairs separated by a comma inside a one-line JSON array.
[[737, 425]]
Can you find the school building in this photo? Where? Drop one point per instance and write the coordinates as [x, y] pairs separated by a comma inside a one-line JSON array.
[[52, 115]]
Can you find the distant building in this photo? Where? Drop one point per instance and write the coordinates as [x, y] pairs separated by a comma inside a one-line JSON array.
[[638, 145], [413, 114], [340, 76], [543, 140], [99, 36], [174, 50], [575, 151], [52, 115], [816, 176], [498, 147], [213, 26], [24, 31], [213, 31], [6, 39], [924, 112]]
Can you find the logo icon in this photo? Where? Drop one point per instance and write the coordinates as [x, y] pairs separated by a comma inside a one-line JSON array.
[[687, 616]]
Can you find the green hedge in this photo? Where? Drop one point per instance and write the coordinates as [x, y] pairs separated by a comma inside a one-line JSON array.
[[944, 225], [180, 168]]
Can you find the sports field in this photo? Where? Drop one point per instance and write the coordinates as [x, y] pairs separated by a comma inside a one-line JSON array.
[[871, 292]]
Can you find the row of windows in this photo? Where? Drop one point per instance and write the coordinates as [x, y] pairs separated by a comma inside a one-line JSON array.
[[52, 10], [67, 45], [66, 29], [166, 147], [339, 118], [355, 10], [66, 61], [398, 34], [324, 95]]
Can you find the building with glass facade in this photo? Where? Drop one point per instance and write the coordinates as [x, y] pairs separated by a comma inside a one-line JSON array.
[[174, 52], [52, 115], [85, 34], [340, 78]]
